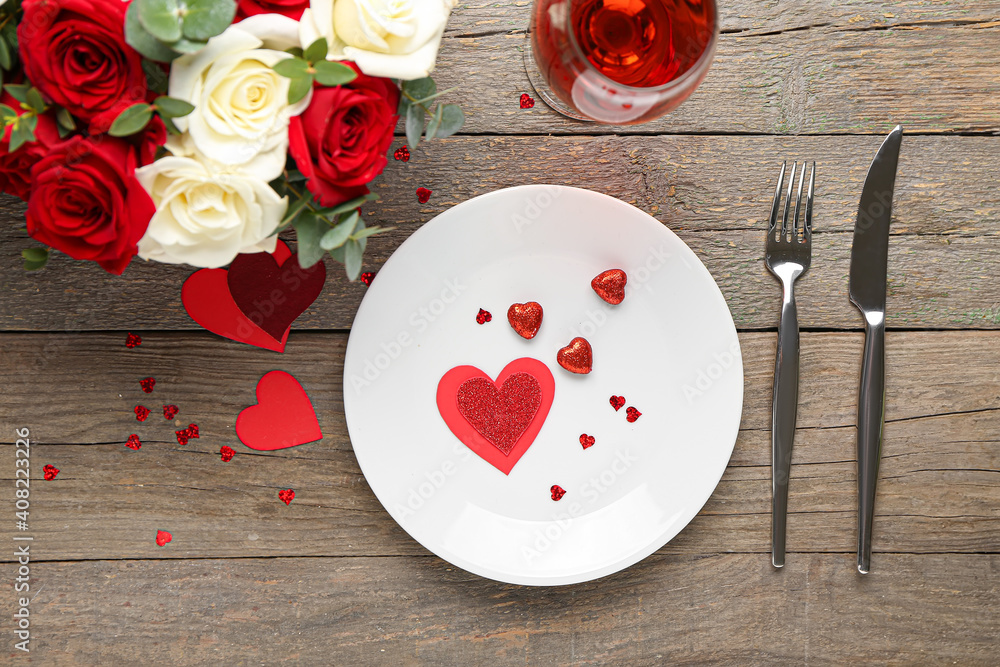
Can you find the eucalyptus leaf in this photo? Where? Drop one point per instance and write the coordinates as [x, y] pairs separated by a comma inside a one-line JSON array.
[[161, 19], [35, 254], [65, 119], [317, 50], [23, 132], [133, 119], [294, 210], [293, 68], [35, 101], [156, 78], [171, 107], [349, 205], [414, 125], [333, 74], [19, 91], [295, 176], [418, 89], [404, 105], [308, 231], [205, 19], [432, 126], [452, 120], [299, 88], [7, 114], [143, 42], [34, 265], [339, 234], [185, 45], [353, 253], [171, 127], [369, 231], [6, 55]]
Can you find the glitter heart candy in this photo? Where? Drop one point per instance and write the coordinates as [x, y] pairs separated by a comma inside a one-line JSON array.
[[587, 440], [170, 411], [557, 492], [617, 402], [286, 496], [497, 419], [610, 286], [527, 101], [132, 340], [577, 357], [49, 472], [141, 412], [525, 318], [147, 384]]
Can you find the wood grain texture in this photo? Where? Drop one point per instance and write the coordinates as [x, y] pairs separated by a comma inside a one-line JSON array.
[[676, 609], [815, 68], [944, 253], [940, 488]]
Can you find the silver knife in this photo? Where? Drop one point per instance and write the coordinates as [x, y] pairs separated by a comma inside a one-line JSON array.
[[869, 259]]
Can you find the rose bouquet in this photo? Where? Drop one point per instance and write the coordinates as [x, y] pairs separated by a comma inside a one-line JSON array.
[[189, 131]]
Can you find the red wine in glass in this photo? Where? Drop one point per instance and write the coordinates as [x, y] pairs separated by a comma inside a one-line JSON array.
[[620, 61]]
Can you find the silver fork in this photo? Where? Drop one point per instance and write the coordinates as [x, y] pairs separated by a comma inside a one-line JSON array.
[[786, 253]]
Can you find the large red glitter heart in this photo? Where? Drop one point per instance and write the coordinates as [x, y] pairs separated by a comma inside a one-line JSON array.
[[500, 419], [207, 299], [283, 417], [525, 318], [610, 286]]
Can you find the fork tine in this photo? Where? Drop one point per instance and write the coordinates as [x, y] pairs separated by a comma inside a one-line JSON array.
[[788, 203], [808, 224], [798, 207], [777, 200]]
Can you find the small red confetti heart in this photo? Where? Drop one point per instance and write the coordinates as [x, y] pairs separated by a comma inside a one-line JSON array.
[[286, 496], [527, 101], [402, 153], [170, 411], [557, 492], [617, 402], [632, 414], [423, 194], [192, 430], [147, 384], [132, 340], [141, 412], [133, 442], [49, 472], [577, 357], [587, 440], [525, 318], [367, 277], [484, 316], [227, 453], [610, 286], [162, 537], [182, 436]]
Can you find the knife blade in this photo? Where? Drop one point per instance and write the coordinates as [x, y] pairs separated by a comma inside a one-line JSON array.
[[869, 268]]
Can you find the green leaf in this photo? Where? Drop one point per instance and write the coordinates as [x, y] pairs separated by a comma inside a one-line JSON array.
[[414, 125], [7, 115], [171, 107], [418, 89], [299, 88], [6, 56], [349, 205], [35, 254], [30, 265], [353, 253], [317, 51], [339, 234], [369, 231], [432, 126], [19, 91], [308, 231], [161, 19], [188, 45], [294, 176], [452, 120], [295, 51], [23, 132], [35, 101], [131, 120], [171, 127], [404, 105], [294, 210], [333, 74], [156, 78], [293, 68], [205, 19], [9, 30], [143, 42], [65, 120]]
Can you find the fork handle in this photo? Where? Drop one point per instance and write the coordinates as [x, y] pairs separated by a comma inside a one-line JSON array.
[[783, 412], [871, 418]]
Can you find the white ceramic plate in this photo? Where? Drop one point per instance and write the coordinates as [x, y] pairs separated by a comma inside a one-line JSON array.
[[670, 348]]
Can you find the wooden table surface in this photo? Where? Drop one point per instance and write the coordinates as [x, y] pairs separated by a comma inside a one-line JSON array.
[[331, 579]]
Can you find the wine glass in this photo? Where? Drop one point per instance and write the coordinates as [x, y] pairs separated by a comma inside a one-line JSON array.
[[619, 61]]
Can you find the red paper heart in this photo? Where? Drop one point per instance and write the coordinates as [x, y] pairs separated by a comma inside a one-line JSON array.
[[525, 318], [498, 420], [283, 417], [272, 296], [610, 286], [208, 302], [577, 357]]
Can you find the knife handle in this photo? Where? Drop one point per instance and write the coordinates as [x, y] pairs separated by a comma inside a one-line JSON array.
[[784, 407], [871, 417]]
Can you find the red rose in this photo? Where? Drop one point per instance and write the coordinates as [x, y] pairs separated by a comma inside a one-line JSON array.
[[86, 201], [339, 142], [74, 52], [15, 168], [291, 8]]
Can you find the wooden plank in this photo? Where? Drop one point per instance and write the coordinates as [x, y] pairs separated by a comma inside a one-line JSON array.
[[947, 214], [681, 609], [805, 70], [939, 490]]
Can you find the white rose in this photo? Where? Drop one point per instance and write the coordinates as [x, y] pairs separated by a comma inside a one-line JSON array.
[[398, 39], [241, 104], [205, 217]]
